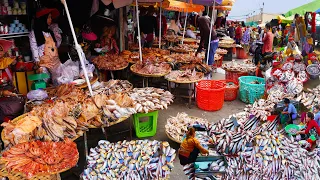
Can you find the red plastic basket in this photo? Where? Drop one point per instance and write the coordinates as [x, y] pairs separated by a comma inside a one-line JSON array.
[[231, 93], [241, 54], [234, 75], [210, 94]]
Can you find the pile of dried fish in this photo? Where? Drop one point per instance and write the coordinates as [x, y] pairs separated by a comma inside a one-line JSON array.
[[183, 58], [200, 67], [130, 160], [111, 87], [176, 127], [182, 48], [221, 51], [151, 68], [184, 76], [150, 99], [243, 66], [40, 158], [110, 62]]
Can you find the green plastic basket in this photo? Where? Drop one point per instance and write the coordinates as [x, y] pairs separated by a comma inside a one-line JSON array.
[[145, 128], [249, 92], [291, 126]]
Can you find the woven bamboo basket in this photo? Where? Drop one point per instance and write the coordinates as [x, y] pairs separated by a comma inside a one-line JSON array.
[[148, 75], [20, 176]]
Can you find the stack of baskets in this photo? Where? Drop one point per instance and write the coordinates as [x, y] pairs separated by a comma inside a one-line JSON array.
[[210, 94], [251, 88]]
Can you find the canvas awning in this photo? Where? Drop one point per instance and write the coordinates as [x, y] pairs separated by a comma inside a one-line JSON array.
[[174, 5], [310, 7], [285, 20]]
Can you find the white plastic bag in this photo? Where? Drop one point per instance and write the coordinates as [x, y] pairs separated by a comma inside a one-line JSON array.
[[90, 69], [66, 73]]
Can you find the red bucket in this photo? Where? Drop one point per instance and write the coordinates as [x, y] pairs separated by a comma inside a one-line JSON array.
[[241, 54], [210, 94]]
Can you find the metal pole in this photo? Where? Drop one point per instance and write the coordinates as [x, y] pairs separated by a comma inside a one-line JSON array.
[[139, 34], [185, 24], [160, 24], [211, 25], [77, 46]]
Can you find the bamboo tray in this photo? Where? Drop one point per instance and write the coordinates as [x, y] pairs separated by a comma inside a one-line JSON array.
[[119, 69], [148, 75], [20, 176], [92, 81], [15, 121], [171, 138], [111, 123], [186, 82]]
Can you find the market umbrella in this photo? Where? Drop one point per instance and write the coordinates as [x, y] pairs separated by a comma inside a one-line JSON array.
[[174, 5], [310, 7], [285, 20]]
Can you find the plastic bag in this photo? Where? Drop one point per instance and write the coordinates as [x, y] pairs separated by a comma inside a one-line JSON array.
[[90, 69], [66, 73], [37, 95]]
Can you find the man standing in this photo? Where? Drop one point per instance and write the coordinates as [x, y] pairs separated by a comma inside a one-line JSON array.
[[238, 33], [204, 26], [231, 30], [267, 40]]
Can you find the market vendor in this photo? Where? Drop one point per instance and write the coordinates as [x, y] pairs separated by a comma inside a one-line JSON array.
[[292, 47], [46, 34], [316, 111], [11, 106], [289, 113], [190, 148], [107, 41], [312, 127]]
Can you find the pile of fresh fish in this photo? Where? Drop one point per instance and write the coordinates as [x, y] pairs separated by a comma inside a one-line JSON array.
[[287, 66], [310, 97], [313, 69], [286, 76], [294, 87], [184, 76], [111, 87], [298, 67], [130, 160], [302, 76], [150, 99], [176, 127], [277, 94], [243, 66]]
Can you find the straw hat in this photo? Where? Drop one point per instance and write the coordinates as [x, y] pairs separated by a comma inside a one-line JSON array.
[[288, 25], [220, 14]]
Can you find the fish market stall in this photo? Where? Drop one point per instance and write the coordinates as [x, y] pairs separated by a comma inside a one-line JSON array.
[[184, 77], [140, 159], [234, 69], [110, 62]]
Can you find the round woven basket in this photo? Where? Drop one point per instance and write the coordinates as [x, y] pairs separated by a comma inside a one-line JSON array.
[[148, 75]]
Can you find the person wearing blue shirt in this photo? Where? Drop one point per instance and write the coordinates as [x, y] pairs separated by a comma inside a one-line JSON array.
[[316, 111], [289, 113]]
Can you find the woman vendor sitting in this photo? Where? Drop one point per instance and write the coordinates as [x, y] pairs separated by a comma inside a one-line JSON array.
[[312, 127], [11, 106], [190, 148], [289, 113]]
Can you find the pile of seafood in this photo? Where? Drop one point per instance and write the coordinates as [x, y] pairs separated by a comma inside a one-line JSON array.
[[221, 51], [310, 97], [184, 76], [110, 62], [111, 87], [313, 69], [182, 48], [226, 42], [130, 160], [156, 51], [40, 158], [200, 67], [243, 66], [151, 68], [150, 99], [176, 127], [183, 58]]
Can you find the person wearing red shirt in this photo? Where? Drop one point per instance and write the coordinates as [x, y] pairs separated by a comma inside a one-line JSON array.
[[238, 34], [267, 40], [312, 126]]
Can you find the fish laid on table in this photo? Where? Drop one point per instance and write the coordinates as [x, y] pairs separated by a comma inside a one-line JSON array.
[[310, 97], [184, 76], [151, 68], [294, 87], [130, 160], [243, 66], [111, 87], [150, 99], [177, 126], [110, 62], [40, 158]]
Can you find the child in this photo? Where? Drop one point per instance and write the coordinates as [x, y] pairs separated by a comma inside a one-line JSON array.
[[107, 41]]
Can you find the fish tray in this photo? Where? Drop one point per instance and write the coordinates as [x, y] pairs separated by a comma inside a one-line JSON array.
[[19, 176], [110, 123], [181, 51], [172, 139], [119, 69], [148, 75], [186, 82], [15, 121], [92, 81]]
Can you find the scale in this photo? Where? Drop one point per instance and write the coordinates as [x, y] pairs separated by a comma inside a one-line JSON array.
[[38, 81]]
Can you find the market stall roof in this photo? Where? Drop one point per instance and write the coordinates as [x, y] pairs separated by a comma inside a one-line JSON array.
[[203, 2], [317, 11], [285, 20], [174, 5], [310, 7]]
